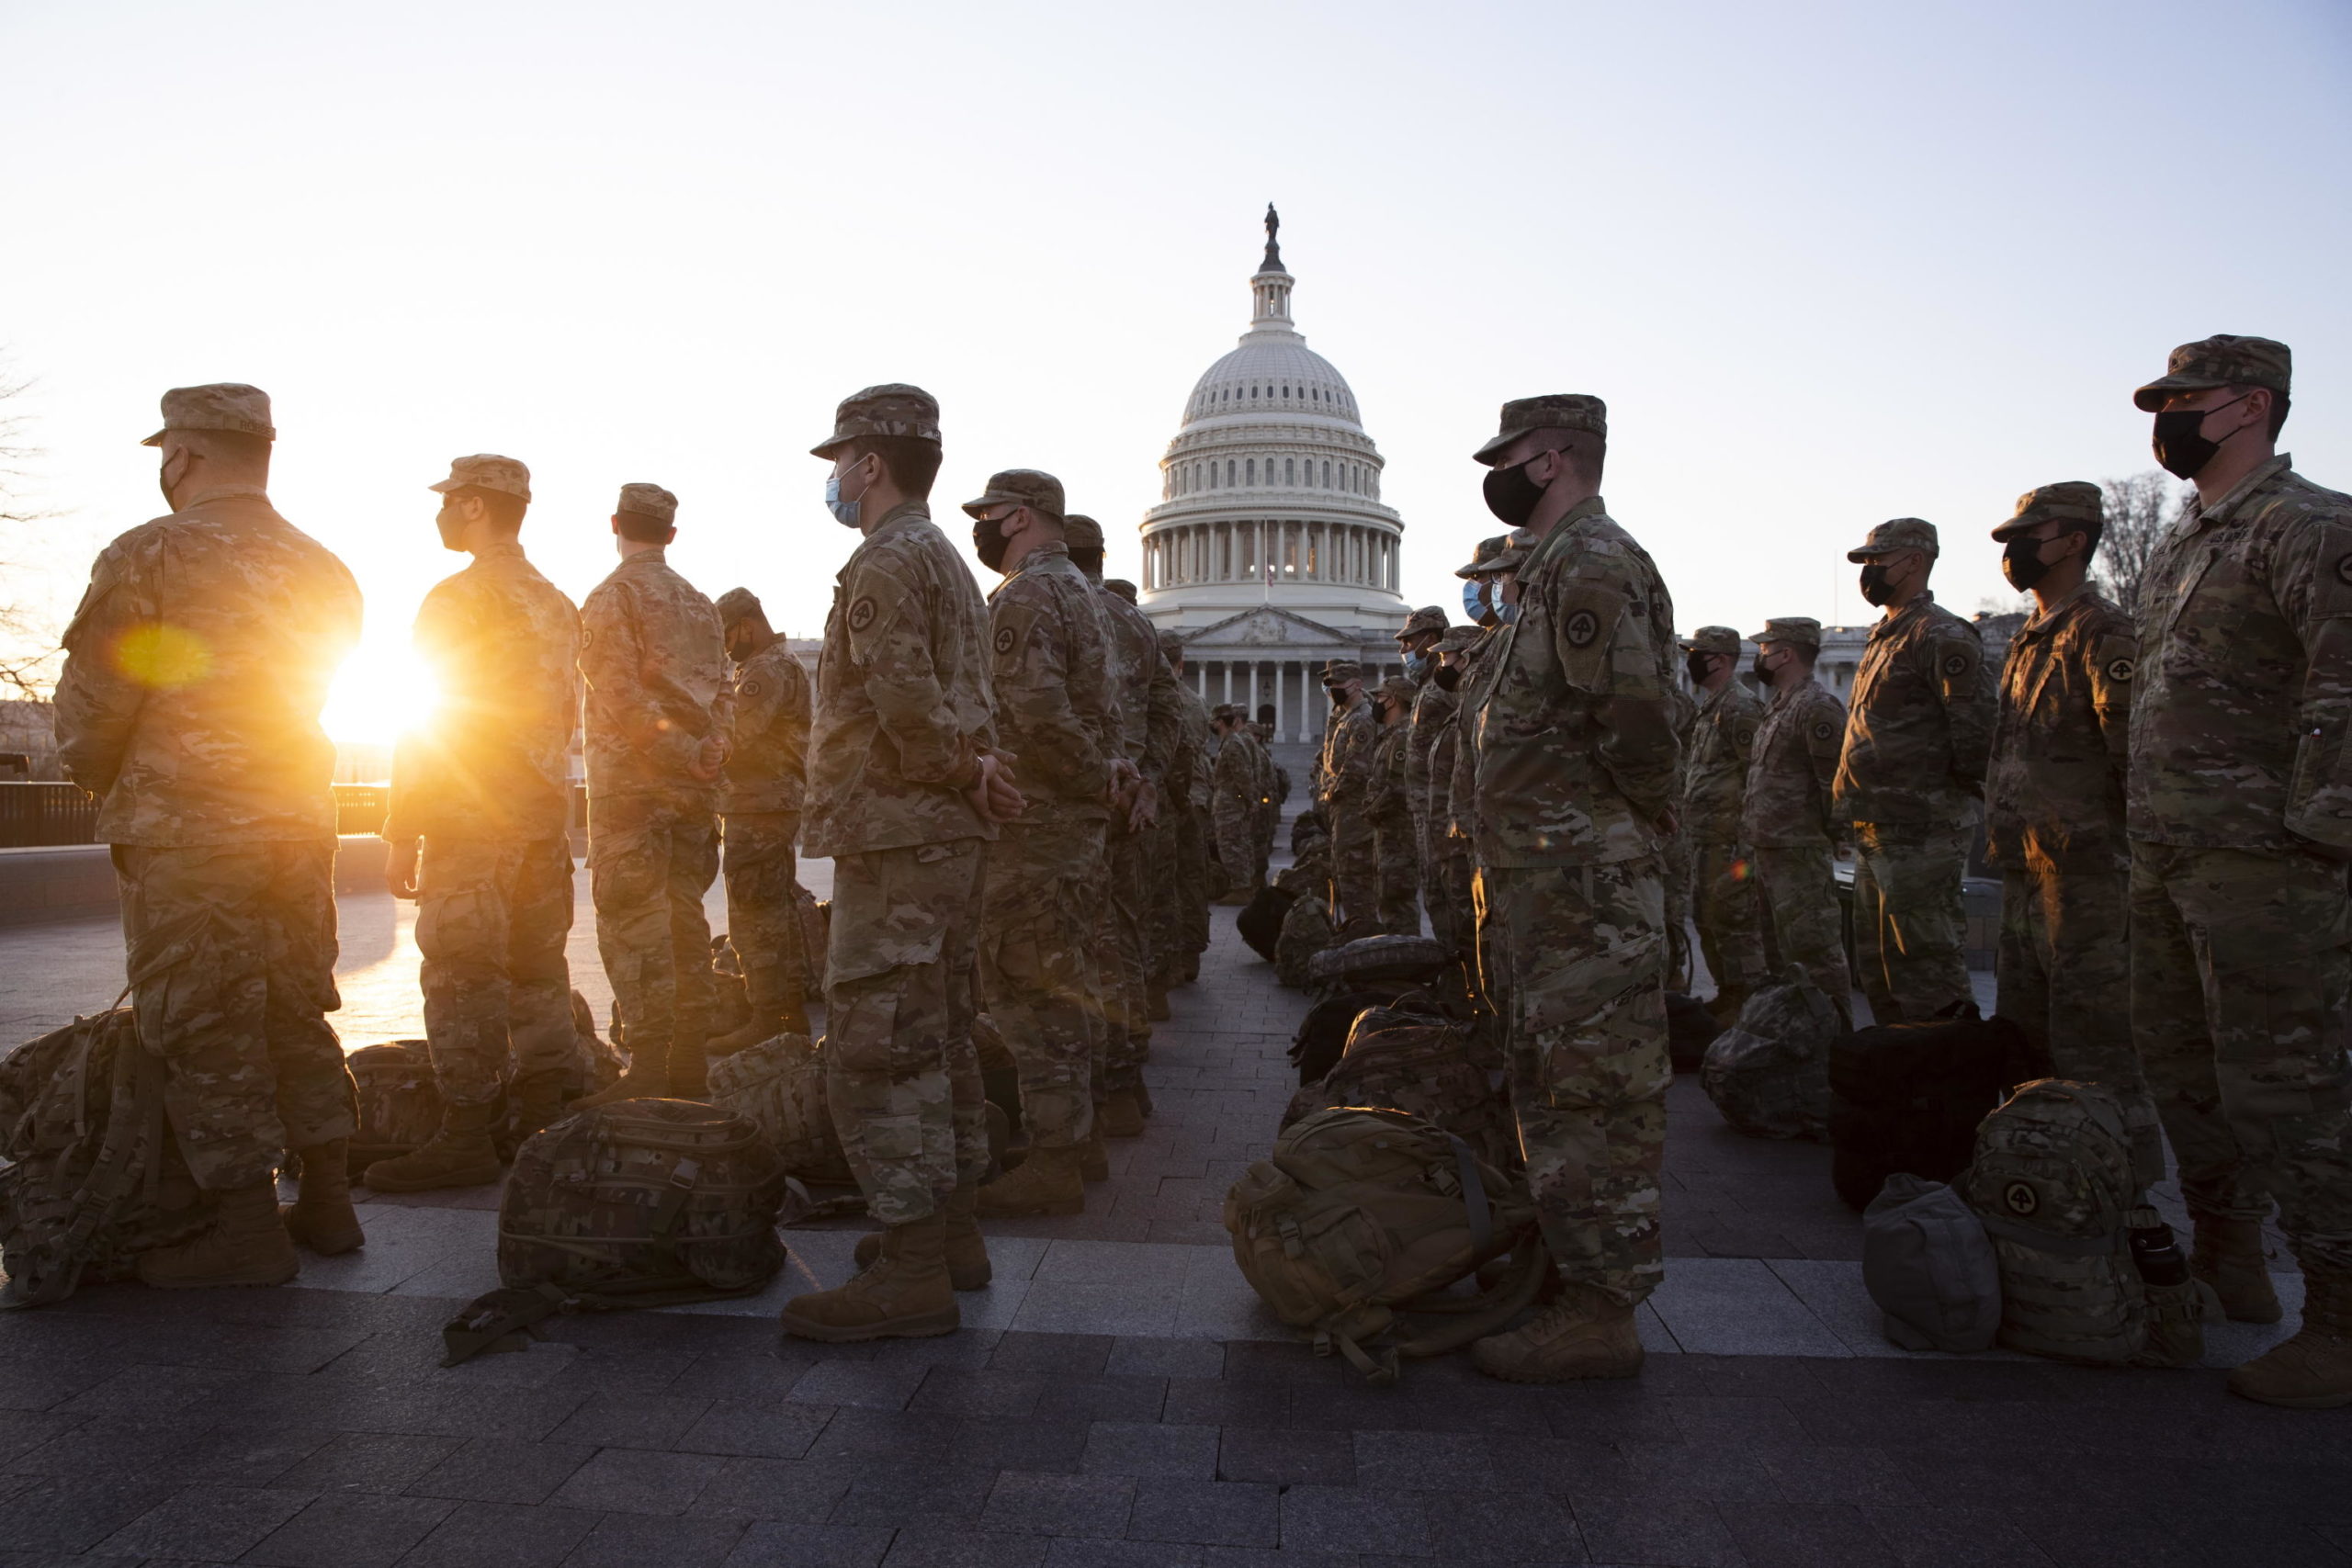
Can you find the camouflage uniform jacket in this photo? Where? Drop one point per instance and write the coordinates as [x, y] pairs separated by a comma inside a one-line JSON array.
[[656, 668], [2055, 787], [1191, 748], [1391, 755], [904, 706], [195, 671], [1722, 738], [1343, 772], [1240, 773], [1921, 726], [1577, 746], [1792, 769], [1055, 710], [504, 645], [1461, 789], [1432, 706], [2239, 730], [1145, 686], [767, 758]]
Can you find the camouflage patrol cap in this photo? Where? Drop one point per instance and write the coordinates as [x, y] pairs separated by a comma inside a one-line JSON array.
[[1081, 531], [1712, 639], [1032, 488], [1122, 587], [1398, 689], [1901, 534], [2221, 361], [1339, 670], [1803, 631], [220, 405], [1458, 640], [1428, 618], [2069, 501], [1486, 551], [1171, 640], [1553, 411], [487, 471], [893, 408], [1518, 545], [737, 603], [1220, 713], [647, 501]]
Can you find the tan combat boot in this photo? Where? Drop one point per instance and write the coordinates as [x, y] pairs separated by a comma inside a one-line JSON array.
[[321, 1218], [648, 1078], [1093, 1159], [1582, 1335], [1726, 1002], [1121, 1116], [2227, 1255], [1048, 1183], [1155, 997], [459, 1155], [535, 1099], [690, 1068], [2313, 1370], [905, 1294], [968, 1252], [245, 1245]]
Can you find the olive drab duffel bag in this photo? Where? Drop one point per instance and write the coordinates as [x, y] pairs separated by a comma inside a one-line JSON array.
[[644, 1203], [1768, 1073], [2052, 1183], [1413, 1059], [1359, 1215]]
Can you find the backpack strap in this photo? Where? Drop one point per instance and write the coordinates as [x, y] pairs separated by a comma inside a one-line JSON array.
[[499, 1320], [1473, 1197], [2043, 1241]]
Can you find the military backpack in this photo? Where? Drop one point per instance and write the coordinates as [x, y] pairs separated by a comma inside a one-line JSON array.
[[1360, 1216], [778, 1085], [1306, 931], [1408, 1059], [398, 1098], [1768, 1073]]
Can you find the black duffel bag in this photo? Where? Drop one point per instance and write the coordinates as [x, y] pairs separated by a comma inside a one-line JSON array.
[[1261, 920], [1907, 1096]]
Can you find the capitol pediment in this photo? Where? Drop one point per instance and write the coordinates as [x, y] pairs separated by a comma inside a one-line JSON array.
[[1268, 626]]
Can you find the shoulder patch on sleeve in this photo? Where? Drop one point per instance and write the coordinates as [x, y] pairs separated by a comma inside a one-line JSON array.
[[1006, 639], [861, 613]]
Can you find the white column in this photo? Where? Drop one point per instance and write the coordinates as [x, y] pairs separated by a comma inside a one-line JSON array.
[[1282, 702]]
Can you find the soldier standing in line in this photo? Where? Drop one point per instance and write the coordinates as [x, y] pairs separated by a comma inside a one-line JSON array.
[[1577, 756], [1238, 782], [2053, 808], [1188, 917], [1343, 792], [194, 669], [488, 788], [1717, 750], [1487, 594], [1445, 868], [1396, 841], [1432, 704], [1913, 770], [656, 670], [762, 790], [1273, 784], [1146, 701], [2240, 812], [1050, 673], [905, 791], [1785, 816]]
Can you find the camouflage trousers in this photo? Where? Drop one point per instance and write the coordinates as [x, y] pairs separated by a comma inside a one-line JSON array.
[[762, 918], [1800, 889], [1123, 955], [902, 1078], [232, 950], [1584, 1020], [1678, 913], [1034, 961], [1910, 931], [2063, 968], [649, 863], [2240, 983], [1355, 868], [1726, 908], [1192, 884], [1396, 860], [492, 916], [1236, 826]]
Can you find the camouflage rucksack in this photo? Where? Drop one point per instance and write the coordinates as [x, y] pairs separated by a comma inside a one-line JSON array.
[[1768, 1073], [1402, 1059], [400, 1100], [1368, 960], [1306, 931], [1361, 1215], [645, 1203], [94, 1175], [778, 1085], [2053, 1181]]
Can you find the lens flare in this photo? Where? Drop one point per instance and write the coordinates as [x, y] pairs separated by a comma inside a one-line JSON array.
[[380, 694]]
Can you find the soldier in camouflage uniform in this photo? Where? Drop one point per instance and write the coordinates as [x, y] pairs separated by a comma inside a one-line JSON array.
[[1395, 839], [1050, 672], [1236, 785], [1452, 767], [1344, 793], [194, 669], [487, 789], [1433, 704], [2053, 808], [905, 791], [762, 790], [1576, 759], [1785, 816], [1148, 722], [1913, 770], [2240, 813], [656, 670], [1717, 751], [1185, 918]]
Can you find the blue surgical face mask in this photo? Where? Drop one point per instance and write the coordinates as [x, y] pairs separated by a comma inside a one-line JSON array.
[[848, 514], [1507, 614], [1474, 602], [1417, 665]]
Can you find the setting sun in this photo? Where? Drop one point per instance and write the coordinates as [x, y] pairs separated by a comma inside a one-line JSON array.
[[379, 696]]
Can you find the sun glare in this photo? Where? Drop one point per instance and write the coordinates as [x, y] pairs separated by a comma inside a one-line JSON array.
[[379, 695]]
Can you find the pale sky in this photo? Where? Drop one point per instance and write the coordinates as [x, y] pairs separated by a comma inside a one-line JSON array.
[[1827, 264]]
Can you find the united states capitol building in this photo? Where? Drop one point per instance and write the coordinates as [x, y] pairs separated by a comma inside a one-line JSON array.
[[1269, 550]]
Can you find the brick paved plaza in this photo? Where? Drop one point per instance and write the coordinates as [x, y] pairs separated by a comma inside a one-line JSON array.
[[1116, 1397]]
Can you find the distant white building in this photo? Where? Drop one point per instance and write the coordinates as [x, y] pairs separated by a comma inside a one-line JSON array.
[[1270, 549]]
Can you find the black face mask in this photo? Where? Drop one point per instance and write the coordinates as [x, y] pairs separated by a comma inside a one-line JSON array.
[[1512, 495], [2022, 564], [1698, 664], [1338, 695], [990, 542], [1757, 669], [2179, 442], [1447, 676], [1874, 588]]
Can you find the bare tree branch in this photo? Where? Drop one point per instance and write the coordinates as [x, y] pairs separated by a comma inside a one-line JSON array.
[[29, 654], [2140, 511]]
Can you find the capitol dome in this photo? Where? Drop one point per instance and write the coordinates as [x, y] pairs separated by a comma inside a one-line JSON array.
[[1270, 533]]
